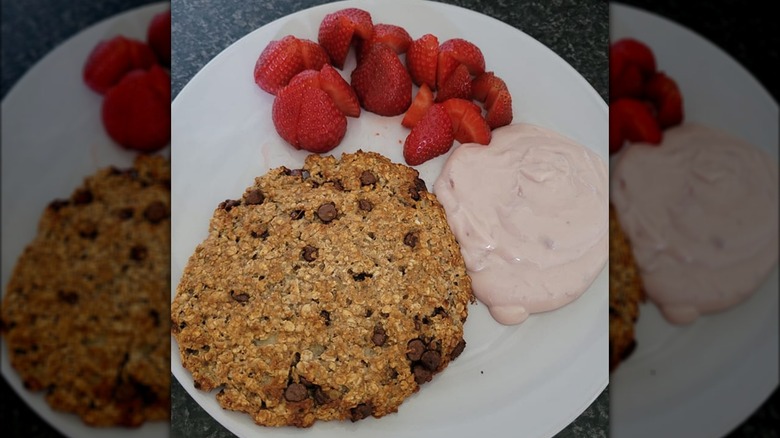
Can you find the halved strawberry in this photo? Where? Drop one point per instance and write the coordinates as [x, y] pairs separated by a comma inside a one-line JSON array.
[[458, 85], [431, 137], [340, 91], [396, 37], [278, 63], [636, 122], [337, 29], [465, 53], [312, 54], [629, 83], [486, 84], [381, 82], [665, 95], [632, 51], [422, 101], [446, 66], [468, 125], [306, 117], [158, 36], [499, 113], [111, 59], [422, 59], [136, 113]]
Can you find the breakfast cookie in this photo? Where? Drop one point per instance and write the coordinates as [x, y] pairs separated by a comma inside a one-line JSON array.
[[625, 293], [85, 312], [324, 293]]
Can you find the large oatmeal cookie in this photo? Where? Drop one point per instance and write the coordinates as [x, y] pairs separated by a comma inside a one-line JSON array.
[[85, 313], [325, 293]]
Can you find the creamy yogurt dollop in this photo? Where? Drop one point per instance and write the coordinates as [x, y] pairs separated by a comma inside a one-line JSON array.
[[530, 212], [701, 211]]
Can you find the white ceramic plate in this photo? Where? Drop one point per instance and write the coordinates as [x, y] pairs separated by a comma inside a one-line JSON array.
[[529, 380], [52, 138], [704, 379]]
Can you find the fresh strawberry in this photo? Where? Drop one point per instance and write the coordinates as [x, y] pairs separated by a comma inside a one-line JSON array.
[[422, 59], [431, 137], [158, 36], [312, 54], [306, 117], [616, 137], [339, 90], [136, 112], [465, 53], [636, 122], [468, 125], [337, 29], [396, 37], [445, 67], [110, 60], [382, 83], [458, 85], [420, 105], [630, 51], [278, 63], [485, 85], [499, 112], [629, 83], [665, 95]]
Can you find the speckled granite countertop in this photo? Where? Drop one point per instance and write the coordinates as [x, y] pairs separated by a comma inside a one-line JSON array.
[[575, 30]]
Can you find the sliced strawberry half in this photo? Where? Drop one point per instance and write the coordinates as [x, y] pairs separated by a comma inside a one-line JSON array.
[[458, 85], [486, 84], [381, 82], [422, 101], [665, 95], [492, 90], [465, 53], [636, 121], [468, 125], [500, 111], [337, 30], [340, 91], [422, 59], [312, 54], [431, 137], [395, 37], [278, 63]]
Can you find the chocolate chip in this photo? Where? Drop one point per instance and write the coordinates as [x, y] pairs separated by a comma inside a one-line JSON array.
[[365, 204], [360, 276], [414, 193], [309, 253], [458, 349], [431, 359], [419, 184], [296, 214], [125, 213], [415, 349], [337, 184], [228, 204], [83, 196], [138, 252], [88, 231], [241, 298], [305, 382], [58, 204], [360, 412], [320, 397], [367, 178], [68, 297], [421, 374], [156, 212], [255, 197], [379, 337], [327, 212], [295, 392], [326, 316], [411, 239]]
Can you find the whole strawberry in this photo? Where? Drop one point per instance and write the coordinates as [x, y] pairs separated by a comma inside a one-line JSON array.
[[432, 136], [382, 83], [137, 111]]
